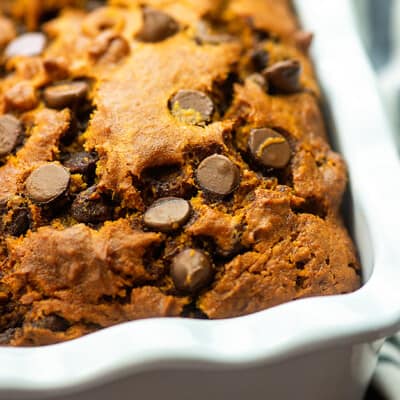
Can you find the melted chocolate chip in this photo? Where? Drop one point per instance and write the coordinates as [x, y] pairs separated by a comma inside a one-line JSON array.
[[65, 94], [47, 183], [157, 26], [167, 214], [56, 67], [117, 49], [192, 107], [284, 76], [83, 115], [52, 322], [191, 270], [90, 207], [261, 35], [217, 174], [205, 35], [259, 59], [269, 148], [82, 162], [109, 47], [7, 336], [20, 222], [10, 134], [28, 44]]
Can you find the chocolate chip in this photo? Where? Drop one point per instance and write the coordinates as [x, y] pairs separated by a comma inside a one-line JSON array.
[[205, 35], [56, 67], [303, 40], [90, 207], [10, 134], [65, 94], [82, 162], [217, 174], [47, 183], [117, 50], [71, 133], [269, 147], [7, 336], [261, 35], [52, 322], [83, 115], [20, 222], [284, 76], [192, 107], [28, 44], [109, 47], [167, 214], [191, 270], [259, 59], [92, 5], [157, 26]]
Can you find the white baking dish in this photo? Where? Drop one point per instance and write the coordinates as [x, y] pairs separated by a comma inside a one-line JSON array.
[[317, 348]]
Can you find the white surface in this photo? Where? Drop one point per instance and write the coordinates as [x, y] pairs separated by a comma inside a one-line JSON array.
[[331, 374], [387, 71], [389, 77], [266, 339], [381, 37]]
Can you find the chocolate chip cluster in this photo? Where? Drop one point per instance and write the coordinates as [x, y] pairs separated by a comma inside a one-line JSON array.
[[48, 186]]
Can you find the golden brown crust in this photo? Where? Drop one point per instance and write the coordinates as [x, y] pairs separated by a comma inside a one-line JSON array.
[[81, 318], [294, 256], [147, 124], [87, 260]]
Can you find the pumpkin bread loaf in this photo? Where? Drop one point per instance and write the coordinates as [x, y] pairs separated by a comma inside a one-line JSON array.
[[161, 158]]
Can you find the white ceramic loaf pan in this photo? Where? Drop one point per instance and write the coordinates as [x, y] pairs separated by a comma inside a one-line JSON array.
[[314, 349]]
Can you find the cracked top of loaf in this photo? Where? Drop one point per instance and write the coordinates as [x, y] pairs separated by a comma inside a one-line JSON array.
[[161, 158]]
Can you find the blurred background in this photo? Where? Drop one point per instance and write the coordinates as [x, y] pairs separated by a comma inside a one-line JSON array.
[[379, 26]]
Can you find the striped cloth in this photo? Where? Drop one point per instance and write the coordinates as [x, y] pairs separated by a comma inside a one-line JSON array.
[[379, 25]]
